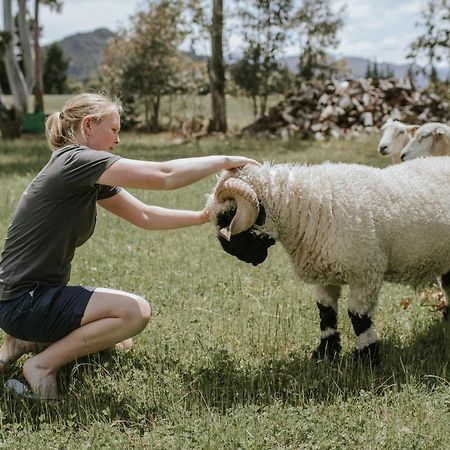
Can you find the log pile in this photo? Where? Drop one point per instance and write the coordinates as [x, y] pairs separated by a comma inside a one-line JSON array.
[[324, 109]]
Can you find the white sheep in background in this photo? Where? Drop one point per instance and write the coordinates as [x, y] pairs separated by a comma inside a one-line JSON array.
[[342, 224], [395, 137], [431, 139]]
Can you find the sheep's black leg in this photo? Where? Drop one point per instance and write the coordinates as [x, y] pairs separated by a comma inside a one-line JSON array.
[[330, 342], [366, 345], [445, 284]]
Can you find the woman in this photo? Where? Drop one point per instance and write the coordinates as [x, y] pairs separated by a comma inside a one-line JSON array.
[[56, 214]]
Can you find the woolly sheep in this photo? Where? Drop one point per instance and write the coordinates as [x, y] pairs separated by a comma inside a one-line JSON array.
[[342, 224], [395, 137], [431, 139]]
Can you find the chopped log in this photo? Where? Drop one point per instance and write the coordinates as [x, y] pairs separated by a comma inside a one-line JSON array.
[[331, 108]]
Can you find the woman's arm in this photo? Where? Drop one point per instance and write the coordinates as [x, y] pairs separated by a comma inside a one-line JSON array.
[[149, 217], [170, 174]]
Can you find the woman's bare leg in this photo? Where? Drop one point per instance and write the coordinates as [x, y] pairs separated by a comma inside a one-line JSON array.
[[13, 348], [111, 317]]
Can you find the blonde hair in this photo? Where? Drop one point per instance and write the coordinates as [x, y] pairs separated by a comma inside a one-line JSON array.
[[61, 126]]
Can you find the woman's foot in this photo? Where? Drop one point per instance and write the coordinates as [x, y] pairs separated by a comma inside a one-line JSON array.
[[127, 344], [41, 381], [13, 348]]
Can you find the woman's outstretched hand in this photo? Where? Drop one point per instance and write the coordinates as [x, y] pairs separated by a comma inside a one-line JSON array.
[[204, 216], [234, 162]]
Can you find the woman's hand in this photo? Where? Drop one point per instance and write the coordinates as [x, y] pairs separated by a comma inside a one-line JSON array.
[[204, 216], [234, 162]]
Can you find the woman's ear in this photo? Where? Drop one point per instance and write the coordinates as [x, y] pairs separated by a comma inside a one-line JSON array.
[[86, 125]]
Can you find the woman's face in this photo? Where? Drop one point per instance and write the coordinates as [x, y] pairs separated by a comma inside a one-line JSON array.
[[104, 134]]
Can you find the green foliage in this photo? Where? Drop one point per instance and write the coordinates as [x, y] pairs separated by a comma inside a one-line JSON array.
[[317, 27], [55, 70], [372, 71], [144, 62], [248, 76], [434, 43], [264, 25], [225, 361]]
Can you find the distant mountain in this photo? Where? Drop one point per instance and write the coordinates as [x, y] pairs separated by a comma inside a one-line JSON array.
[[357, 68], [85, 52]]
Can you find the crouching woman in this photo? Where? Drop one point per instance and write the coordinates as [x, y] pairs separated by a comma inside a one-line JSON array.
[[55, 215]]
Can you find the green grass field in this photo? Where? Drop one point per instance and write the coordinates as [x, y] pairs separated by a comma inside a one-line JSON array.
[[225, 361]]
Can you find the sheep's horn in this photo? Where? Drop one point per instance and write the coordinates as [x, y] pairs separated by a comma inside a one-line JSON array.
[[247, 205]]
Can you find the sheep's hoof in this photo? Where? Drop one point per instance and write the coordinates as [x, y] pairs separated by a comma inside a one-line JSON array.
[[370, 354], [328, 348]]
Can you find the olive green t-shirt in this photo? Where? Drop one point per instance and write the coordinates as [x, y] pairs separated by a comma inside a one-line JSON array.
[[56, 214]]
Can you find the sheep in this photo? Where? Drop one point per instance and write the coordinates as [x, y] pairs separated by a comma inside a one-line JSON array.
[[342, 224], [395, 137], [431, 139]]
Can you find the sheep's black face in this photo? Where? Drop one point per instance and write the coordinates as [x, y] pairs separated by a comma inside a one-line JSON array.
[[249, 246]]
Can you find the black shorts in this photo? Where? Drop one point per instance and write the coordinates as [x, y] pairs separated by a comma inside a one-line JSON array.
[[46, 314]]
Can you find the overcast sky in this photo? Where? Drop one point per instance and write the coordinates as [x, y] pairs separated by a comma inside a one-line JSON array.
[[373, 29]]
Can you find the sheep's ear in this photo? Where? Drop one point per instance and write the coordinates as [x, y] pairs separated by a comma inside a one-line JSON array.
[[413, 129], [261, 219], [440, 131], [384, 126]]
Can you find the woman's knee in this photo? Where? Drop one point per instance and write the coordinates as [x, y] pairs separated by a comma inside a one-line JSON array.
[[132, 309], [140, 315], [145, 310]]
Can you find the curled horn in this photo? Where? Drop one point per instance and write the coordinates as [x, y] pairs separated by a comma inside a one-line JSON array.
[[247, 205]]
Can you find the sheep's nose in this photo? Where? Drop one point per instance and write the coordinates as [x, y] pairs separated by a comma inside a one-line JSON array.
[[402, 156], [382, 149]]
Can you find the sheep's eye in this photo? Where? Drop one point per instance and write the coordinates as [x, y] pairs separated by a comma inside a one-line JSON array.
[[400, 132], [424, 136]]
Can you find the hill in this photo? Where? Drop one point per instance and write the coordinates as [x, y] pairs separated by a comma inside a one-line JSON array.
[[357, 68], [85, 52]]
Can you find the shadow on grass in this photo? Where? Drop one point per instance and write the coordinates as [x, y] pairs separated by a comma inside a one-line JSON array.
[[222, 381]]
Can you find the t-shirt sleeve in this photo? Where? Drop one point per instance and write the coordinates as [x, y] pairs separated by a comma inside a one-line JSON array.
[[107, 191], [84, 166]]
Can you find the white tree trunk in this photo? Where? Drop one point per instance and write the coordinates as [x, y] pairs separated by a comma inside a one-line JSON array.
[[15, 76], [26, 44], [38, 76]]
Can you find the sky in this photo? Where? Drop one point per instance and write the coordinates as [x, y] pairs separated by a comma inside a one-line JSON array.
[[378, 30]]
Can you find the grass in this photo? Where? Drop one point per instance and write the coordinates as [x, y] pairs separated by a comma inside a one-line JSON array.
[[225, 362], [177, 109]]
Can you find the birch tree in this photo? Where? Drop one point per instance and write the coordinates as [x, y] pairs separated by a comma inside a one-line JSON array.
[[16, 79]]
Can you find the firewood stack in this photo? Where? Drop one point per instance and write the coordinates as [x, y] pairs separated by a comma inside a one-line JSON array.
[[324, 109]]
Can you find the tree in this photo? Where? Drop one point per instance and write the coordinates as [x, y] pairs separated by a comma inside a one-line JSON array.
[[264, 25], [144, 62], [246, 73], [376, 73], [28, 57], [216, 70], [14, 73], [55, 68], [38, 75], [25, 77], [434, 43], [205, 26], [317, 28]]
